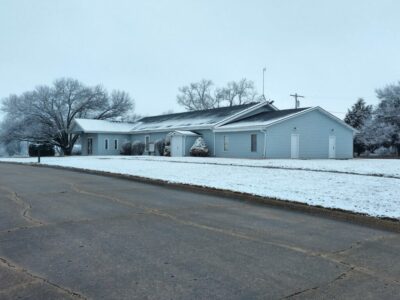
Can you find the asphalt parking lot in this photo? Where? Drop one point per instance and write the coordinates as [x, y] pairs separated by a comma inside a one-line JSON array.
[[69, 235]]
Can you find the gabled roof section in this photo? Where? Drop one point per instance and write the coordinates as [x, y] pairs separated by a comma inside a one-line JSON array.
[[262, 119], [269, 118], [101, 126], [261, 106], [200, 119]]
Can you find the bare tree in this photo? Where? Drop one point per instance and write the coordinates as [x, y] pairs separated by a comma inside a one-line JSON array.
[[45, 114], [197, 95], [237, 93]]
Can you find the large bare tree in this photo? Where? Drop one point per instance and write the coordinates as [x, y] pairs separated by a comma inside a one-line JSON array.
[[45, 114], [197, 95], [236, 93], [200, 95]]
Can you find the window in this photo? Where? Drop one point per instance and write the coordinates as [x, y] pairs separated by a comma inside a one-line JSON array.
[[115, 144], [254, 143], [106, 144], [90, 146], [147, 142], [226, 143]]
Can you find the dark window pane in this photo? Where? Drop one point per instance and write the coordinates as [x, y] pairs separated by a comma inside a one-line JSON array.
[[254, 143]]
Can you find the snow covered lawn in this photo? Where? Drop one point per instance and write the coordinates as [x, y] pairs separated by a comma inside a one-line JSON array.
[[363, 191], [378, 167]]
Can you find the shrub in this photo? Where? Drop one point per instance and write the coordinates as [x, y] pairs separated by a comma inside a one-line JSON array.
[[159, 146], [167, 147], [77, 149], [137, 148], [167, 151], [199, 148], [45, 150], [13, 148], [126, 148]]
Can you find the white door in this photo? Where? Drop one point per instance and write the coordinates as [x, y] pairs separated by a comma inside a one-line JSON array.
[[176, 145], [332, 146], [294, 153]]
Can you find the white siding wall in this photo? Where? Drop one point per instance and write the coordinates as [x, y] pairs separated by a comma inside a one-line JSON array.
[[239, 144], [314, 129]]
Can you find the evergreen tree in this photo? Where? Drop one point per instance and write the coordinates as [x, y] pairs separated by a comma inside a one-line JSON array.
[[356, 117], [358, 113]]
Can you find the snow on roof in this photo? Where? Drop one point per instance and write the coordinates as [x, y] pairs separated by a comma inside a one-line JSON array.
[[96, 126], [262, 119], [194, 119], [184, 132]]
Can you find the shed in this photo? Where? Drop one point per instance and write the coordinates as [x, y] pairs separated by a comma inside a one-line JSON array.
[[181, 141]]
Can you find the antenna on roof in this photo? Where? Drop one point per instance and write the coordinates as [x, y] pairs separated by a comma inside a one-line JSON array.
[[296, 102], [263, 95]]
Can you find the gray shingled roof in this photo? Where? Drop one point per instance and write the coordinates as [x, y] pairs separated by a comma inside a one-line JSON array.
[[263, 118], [197, 118], [269, 115]]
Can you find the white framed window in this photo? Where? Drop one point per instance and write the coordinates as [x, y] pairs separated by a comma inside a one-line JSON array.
[[106, 144], [226, 143], [146, 142], [253, 142], [116, 144]]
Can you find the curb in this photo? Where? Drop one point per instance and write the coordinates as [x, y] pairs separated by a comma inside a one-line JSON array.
[[389, 224]]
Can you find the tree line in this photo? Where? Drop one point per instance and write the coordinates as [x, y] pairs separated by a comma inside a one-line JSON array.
[[378, 126]]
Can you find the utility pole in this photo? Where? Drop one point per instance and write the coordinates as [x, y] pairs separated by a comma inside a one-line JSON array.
[[265, 69], [296, 102]]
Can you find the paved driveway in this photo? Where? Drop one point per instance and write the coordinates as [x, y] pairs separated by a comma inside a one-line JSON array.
[[68, 235]]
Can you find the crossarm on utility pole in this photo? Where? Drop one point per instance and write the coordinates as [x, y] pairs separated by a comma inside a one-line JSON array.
[[296, 101]]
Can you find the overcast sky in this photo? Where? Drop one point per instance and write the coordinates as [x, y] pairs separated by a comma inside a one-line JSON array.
[[330, 51]]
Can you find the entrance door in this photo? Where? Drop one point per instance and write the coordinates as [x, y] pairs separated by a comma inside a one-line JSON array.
[[332, 146], [176, 145], [294, 146], [89, 146]]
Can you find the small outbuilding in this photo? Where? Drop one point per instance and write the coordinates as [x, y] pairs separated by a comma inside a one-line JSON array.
[[181, 141]]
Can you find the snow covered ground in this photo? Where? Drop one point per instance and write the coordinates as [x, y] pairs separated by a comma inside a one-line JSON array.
[[369, 189], [378, 167]]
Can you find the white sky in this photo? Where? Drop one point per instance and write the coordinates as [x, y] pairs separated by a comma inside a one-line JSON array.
[[330, 51]]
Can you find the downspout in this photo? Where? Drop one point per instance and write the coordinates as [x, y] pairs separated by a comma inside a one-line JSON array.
[[265, 142]]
